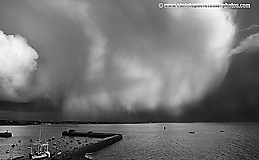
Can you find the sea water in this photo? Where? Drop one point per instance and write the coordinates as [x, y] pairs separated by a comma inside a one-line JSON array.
[[152, 141]]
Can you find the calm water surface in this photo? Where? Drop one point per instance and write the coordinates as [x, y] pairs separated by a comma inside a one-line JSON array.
[[150, 141]]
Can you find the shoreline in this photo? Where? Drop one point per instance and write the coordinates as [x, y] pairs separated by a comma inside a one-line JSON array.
[[38, 122]]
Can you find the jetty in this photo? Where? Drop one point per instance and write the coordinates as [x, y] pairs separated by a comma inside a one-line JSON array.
[[104, 140], [107, 139], [85, 149], [73, 133]]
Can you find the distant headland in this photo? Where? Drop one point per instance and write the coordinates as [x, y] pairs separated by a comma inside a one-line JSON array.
[[49, 122]]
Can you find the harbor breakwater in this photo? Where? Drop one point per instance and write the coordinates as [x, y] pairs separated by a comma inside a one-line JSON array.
[[88, 148], [105, 139]]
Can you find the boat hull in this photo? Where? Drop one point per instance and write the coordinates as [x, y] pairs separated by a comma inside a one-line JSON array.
[[6, 135], [43, 156]]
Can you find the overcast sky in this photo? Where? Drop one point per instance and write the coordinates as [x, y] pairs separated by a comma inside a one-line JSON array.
[[128, 61]]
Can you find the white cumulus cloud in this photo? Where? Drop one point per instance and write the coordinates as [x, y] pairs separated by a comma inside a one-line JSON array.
[[17, 61]]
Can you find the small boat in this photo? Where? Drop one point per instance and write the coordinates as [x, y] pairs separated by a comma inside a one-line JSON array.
[[89, 156], [39, 150], [6, 134], [191, 132]]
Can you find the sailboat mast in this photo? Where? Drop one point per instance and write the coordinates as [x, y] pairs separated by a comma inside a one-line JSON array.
[[39, 142], [40, 136]]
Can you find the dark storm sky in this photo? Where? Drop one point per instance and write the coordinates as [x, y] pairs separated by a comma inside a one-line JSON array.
[[237, 98], [63, 81]]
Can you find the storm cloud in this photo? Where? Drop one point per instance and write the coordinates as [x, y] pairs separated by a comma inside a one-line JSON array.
[[104, 58]]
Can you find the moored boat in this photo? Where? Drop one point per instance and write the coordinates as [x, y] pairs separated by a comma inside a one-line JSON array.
[[39, 150], [6, 134], [89, 156]]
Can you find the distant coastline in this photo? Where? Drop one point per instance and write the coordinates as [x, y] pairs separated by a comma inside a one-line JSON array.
[[50, 122], [39, 122]]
